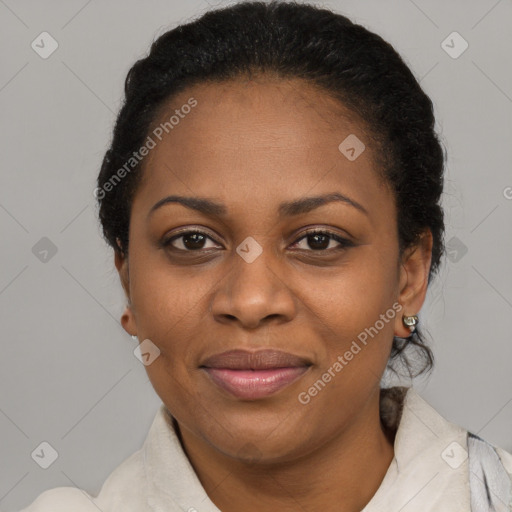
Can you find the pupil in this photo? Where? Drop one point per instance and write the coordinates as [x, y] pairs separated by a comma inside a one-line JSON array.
[[197, 240], [318, 245]]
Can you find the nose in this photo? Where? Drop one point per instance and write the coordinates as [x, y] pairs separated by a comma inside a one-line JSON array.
[[254, 294]]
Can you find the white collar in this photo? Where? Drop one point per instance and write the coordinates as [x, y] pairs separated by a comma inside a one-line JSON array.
[[429, 471]]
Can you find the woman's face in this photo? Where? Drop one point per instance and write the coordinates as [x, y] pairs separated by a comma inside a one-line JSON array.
[[253, 280]]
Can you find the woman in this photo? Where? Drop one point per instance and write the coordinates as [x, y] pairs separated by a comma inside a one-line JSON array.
[[272, 195]]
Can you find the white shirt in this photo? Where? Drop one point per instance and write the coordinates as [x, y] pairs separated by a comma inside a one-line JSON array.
[[430, 471]]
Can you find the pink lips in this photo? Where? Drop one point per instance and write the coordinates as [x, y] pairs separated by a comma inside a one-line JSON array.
[[253, 375]]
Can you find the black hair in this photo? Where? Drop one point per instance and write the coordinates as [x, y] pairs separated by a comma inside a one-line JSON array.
[[291, 40]]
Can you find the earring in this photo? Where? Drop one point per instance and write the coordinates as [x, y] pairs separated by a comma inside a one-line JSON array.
[[410, 321], [134, 338]]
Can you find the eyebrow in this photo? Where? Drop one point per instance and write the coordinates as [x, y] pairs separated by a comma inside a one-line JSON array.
[[286, 209]]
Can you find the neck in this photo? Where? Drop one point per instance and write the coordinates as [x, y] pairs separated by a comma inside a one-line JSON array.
[[342, 475]]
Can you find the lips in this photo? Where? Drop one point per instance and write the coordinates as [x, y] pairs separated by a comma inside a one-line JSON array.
[[260, 360], [253, 375]]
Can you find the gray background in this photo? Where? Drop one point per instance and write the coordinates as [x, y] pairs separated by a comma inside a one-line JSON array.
[[68, 372]]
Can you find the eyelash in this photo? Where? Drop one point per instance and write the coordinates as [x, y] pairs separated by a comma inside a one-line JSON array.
[[344, 242]]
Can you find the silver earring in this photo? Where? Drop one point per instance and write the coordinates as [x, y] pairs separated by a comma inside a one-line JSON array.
[[134, 338], [410, 321]]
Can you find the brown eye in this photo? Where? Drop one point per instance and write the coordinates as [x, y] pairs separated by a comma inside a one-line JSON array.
[[189, 241], [321, 241]]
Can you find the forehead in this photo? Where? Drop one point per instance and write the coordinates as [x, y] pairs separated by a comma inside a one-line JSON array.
[[249, 114], [263, 140]]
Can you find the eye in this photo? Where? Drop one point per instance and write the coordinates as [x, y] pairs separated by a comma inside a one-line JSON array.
[[320, 240], [189, 241], [317, 240]]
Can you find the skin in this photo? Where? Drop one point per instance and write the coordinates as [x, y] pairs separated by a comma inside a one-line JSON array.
[[252, 145]]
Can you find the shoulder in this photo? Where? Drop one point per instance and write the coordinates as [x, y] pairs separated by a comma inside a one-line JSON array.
[[122, 490], [128, 487], [62, 499]]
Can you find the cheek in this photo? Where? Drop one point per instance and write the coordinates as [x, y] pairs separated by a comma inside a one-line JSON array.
[[168, 312], [351, 297], [355, 321], [165, 298]]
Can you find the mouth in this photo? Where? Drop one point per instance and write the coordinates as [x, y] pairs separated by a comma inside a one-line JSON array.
[[253, 375]]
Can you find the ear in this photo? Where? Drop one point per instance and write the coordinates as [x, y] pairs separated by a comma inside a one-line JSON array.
[[127, 318], [413, 282]]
